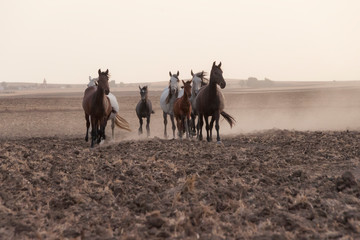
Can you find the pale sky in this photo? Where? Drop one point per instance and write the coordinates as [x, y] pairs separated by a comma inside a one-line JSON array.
[[65, 41]]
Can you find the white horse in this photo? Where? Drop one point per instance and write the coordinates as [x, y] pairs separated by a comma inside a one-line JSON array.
[[198, 81], [167, 100], [92, 81]]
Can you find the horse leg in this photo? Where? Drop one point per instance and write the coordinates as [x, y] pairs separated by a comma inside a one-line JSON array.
[[140, 128], [192, 125], [165, 122], [100, 133], [217, 127], [186, 120], [87, 127], [112, 128], [207, 126], [211, 126], [93, 131], [179, 127], [102, 129], [173, 124], [200, 126], [148, 126]]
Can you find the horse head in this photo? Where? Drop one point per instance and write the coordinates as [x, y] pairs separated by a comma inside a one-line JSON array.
[[103, 81], [187, 87], [143, 93], [92, 81], [217, 75], [197, 81], [174, 83]]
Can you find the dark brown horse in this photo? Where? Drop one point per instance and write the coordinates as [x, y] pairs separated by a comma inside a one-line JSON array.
[[210, 103], [144, 110], [182, 110], [97, 106]]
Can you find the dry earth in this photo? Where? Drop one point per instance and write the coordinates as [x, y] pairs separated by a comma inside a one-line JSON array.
[[273, 184]]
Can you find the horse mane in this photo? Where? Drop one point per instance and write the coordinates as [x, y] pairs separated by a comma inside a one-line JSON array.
[[201, 75]]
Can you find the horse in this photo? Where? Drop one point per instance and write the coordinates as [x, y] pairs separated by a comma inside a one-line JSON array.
[[167, 100], [210, 102], [92, 81], [198, 81], [144, 110], [98, 107], [182, 110]]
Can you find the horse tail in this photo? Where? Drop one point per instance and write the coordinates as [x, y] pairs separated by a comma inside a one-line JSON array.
[[122, 123], [231, 120]]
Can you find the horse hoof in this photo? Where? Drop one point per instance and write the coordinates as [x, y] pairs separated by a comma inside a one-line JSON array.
[[219, 142]]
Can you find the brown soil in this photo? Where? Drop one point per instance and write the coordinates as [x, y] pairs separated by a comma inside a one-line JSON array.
[[274, 184]]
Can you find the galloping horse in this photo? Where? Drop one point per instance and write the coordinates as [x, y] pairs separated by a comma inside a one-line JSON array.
[[210, 102], [198, 82], [182, 110], [98, 107], [144, 110], [167, 100]]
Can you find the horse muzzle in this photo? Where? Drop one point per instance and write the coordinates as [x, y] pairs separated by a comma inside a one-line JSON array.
[[222, 85], [172, 91], [107, 92]]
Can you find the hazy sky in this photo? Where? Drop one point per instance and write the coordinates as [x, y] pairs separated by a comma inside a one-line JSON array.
[[65, 41]]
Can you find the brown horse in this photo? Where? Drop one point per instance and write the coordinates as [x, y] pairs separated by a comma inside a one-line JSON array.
[[182, 110], [97, 105], [210, 102]]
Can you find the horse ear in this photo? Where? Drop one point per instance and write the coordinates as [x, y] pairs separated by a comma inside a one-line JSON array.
[[170, 74], [99, 71], [192, 74], [183, 82], [139, 87], [219, 65], [107, 71], [214, 63], [177, 73]]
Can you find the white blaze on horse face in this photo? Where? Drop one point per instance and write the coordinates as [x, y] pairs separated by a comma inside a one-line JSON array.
[[174, 84], [196, 81]]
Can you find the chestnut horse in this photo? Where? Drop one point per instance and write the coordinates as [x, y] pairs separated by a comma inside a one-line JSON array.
[[198, 81], [97, 105], [182, 110], [210, 102]]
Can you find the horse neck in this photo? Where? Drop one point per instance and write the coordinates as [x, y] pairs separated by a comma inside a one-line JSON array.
[[212, 88], [99, 94], [185, 97]]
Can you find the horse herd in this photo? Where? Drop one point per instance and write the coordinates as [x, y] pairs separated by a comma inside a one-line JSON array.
[[196, 98]]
